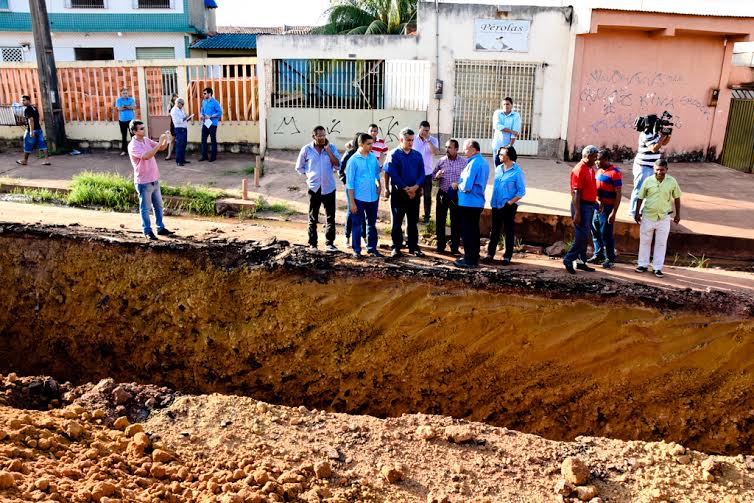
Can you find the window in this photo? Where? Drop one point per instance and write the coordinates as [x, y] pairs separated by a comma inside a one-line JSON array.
[[86, 4], [94, 53], [154, 4], [12, 54], [155, 53]]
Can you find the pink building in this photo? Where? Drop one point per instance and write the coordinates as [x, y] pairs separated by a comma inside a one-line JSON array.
[[639, 63]]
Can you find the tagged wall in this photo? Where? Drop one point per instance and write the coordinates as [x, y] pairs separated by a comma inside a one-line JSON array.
[[291, 128]]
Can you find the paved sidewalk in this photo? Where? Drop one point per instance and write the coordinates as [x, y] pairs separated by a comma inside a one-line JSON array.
[[717, 200]]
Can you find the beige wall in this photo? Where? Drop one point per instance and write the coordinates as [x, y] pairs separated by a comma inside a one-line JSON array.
[[291, 128]]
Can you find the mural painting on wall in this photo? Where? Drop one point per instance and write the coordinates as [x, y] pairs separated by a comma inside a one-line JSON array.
[[610, 100], [388, 125]]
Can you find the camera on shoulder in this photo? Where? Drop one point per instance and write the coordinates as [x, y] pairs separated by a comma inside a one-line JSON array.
[[653, 125]]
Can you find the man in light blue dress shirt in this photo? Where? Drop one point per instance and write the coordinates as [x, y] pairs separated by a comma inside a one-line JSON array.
[[471, 188], [507, 126], [364, 187], [318, 161]]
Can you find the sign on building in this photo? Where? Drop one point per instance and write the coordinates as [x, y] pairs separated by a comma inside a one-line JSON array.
[[501, 35]]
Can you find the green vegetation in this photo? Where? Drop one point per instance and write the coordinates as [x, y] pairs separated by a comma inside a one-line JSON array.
[[369, 17], [44, 196], [113, 191], [699, 262], [260, 205]]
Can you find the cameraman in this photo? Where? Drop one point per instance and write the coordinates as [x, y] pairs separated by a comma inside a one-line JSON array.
[[650, 143]]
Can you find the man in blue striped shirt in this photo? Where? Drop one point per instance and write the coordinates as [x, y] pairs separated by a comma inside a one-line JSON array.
[[471, 188], [364, 187], [405, 170], [318, 161]]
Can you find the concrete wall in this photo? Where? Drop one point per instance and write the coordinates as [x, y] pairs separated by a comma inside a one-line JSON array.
[[549, 44], [628, 66], [549, 39], [291, 128], [124, 46]]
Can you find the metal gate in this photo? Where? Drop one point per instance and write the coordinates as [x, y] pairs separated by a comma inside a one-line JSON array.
[[738, 149], [480, 87]]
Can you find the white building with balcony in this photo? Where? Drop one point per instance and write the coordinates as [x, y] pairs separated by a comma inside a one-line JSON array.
[[108, 29]]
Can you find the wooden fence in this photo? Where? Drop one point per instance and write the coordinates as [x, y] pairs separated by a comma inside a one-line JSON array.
[[89, 89]]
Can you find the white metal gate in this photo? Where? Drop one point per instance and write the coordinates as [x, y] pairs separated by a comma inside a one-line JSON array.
[[480, 87]]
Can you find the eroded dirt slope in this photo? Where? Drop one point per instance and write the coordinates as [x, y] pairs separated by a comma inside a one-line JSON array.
[[284, 326]]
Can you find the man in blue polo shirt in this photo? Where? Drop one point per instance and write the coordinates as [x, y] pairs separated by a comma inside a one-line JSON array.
[[507, 126], [211, 113], [364, 187], [405, 170], [126, 106], [471, 188]]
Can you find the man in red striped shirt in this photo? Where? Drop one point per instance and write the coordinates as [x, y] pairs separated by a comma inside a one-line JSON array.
[[379, 149]]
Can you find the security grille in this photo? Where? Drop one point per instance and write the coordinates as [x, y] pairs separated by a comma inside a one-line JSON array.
[[12, 54], [85, 4], [153, 4], [407, 85], [320, 83], [480, 87]]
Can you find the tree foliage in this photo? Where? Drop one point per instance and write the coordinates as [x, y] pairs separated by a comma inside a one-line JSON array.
[[369, 17]]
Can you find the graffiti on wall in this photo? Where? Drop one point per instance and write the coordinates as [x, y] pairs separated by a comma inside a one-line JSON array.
[[389, 127], [613, 99]]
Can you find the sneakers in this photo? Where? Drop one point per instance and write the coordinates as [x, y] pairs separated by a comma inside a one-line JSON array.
[[356, 255], [164, 232], [596, 260], [569, 267], [607, 264], [641, 268], [584, 267], [150, 236], [375, 253], [506, 261], [396, 253], [463, 264], [312, 247], [659, 273], [331, 248], [417, 253]]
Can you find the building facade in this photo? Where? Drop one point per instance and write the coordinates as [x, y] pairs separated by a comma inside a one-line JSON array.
[[107, 29]]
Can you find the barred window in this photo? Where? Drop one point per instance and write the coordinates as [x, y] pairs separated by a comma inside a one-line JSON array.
[[12, 54], [86, 4]]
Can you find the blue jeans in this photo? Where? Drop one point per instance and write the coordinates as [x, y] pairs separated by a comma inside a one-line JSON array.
[[581, 234], [150, 197], [349, 220], [602, 234], [640, 173], [370, 209], [181, 138], [212, 133]]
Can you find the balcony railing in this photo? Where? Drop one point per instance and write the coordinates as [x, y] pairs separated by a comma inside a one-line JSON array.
[[154, 4]]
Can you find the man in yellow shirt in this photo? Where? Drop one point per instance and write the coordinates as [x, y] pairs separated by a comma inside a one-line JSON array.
[[653, 209]]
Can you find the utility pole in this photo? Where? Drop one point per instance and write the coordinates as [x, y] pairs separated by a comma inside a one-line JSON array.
[[48, 76]]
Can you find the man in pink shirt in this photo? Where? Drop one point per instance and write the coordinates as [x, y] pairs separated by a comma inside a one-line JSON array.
[[141, 151]]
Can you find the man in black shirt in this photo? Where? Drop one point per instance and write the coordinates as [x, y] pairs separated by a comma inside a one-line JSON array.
[[33, 137]]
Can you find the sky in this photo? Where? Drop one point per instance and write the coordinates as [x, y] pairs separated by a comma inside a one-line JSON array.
[[270, 12]]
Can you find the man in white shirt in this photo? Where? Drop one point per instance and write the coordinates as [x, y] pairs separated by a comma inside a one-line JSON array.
[[427, 145]]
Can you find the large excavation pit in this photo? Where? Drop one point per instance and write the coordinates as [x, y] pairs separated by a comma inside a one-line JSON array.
[[274, 322]]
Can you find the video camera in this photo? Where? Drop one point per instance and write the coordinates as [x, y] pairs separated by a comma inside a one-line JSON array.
[[653, 124]]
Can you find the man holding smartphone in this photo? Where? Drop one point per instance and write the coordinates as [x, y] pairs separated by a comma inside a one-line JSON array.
[[318, 161]]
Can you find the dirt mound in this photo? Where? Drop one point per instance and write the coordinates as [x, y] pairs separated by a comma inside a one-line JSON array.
[[236, 449]]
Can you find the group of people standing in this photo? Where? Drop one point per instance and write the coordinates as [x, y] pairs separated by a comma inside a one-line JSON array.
[[405, 176], [210, 114]]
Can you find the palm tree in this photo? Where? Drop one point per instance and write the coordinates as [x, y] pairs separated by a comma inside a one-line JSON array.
[[369, 17]]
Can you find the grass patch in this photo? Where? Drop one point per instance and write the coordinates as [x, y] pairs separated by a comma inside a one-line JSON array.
[[282, 208], [250, 169], [111, 190], [44, 196], [699, 262], [260, 205]]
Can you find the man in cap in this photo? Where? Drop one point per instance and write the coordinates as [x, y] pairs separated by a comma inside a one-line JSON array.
[[583, 201]]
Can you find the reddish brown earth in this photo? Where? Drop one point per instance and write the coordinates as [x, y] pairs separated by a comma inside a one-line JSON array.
[[519, 349]]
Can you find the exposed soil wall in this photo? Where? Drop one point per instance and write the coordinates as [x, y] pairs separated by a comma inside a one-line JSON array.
[[288, 327]]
